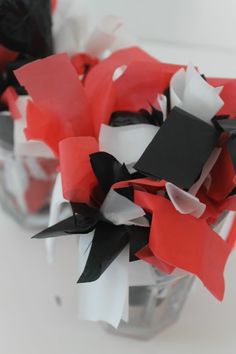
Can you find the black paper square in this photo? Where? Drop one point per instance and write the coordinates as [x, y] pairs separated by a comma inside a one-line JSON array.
[[179, 150]]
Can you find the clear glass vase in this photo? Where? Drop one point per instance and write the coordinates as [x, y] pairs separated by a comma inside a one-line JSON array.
[[154, 308], [26, 185]]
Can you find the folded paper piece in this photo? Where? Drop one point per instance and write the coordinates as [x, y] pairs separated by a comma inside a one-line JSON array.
[[184, 202]]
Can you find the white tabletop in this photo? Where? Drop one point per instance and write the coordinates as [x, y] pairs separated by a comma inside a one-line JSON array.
[[31, 321]]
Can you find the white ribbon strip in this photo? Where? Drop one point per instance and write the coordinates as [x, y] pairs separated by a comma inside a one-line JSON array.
[[106, 298]]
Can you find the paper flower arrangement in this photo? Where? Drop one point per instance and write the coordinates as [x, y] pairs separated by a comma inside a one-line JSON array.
[[147, 159], [146, 153]]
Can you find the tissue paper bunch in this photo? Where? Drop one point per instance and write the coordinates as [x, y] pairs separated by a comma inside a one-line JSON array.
[[147, 154]]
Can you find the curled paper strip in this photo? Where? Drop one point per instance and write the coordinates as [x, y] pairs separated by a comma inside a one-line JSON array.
[[184, 202]]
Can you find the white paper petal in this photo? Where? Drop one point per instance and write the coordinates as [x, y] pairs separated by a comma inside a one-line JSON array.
[[70, 27], [189, 91], [106, 298], [55, 215], [120, 210], [128, 143], [103, 35], [184, 202], [201, 99], [22, 146], [205, 171], [177, 85]]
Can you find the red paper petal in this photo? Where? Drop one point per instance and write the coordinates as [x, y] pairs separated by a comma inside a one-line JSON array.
[[83, 62], [223, 177], [78, 179], [44, 126], [231, 239], [141, 82], [100, 88], [53, 5], [9, 97], [148, 184], [186, 242], [146, 255], [56, 89]]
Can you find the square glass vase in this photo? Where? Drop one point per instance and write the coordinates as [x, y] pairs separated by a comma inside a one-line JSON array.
[[154, 308]]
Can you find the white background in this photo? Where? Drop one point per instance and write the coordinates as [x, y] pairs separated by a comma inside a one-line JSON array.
[[31, 322]]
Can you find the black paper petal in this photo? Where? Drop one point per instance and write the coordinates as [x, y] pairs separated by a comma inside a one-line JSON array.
[[127, 192], [123, 118], [109, 240], [77, 224], [108, 170], [25, 26], [138, 237], [179, 149]]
